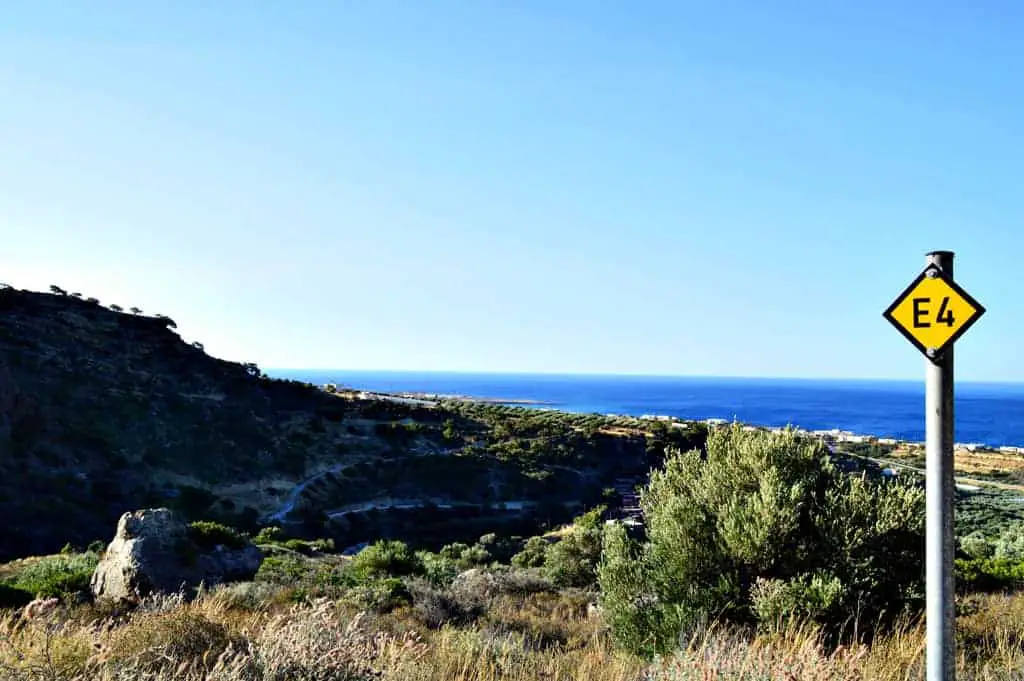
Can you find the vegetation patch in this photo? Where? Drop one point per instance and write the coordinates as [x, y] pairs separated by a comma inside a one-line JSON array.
[[759, 529], [208, 535], [60, 575]]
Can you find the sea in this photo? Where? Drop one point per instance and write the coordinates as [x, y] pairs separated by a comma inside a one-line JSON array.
[[985, 413]]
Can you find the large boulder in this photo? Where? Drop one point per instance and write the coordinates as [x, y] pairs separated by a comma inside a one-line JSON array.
[[154, 551]]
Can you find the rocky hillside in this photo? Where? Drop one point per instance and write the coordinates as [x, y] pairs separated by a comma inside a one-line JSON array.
[[103, 411]]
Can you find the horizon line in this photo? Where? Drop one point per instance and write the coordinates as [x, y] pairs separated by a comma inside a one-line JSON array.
[[606, 374]]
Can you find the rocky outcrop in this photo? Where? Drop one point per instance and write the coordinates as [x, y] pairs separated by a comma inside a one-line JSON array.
[[154, 551]]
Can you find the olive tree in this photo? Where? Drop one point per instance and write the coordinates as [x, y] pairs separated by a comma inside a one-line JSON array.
[[762, 528]]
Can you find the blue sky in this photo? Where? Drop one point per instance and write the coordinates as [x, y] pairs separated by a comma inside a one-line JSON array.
[[651, 187]]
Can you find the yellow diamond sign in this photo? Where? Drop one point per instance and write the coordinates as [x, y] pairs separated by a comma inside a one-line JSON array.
[[933, 312]]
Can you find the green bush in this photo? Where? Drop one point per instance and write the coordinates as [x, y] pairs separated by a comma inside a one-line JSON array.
[[989, 574], [208, 535], [323, 545], [500, 549], [815, 597], [533, 554], [976, 545], [768, 506], [448, 431], [380, 595], [1010, 543], [573, 560], [58, 575], [269, 535], [283, 570], [474, 556], [464, 557], [299, 546], [438, 570], [454, 551], [386, 558]]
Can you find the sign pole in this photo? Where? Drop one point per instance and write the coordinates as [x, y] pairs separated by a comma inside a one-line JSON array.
[[940, 618], [932, 313]]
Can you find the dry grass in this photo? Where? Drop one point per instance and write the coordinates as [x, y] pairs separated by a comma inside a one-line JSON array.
[[989, 649], [225, 636], [968, 461]]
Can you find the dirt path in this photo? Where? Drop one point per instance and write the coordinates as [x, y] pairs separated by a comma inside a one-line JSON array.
[[293, 495]]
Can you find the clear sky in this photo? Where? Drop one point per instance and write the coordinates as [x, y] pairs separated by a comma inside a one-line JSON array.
[[547, 185]]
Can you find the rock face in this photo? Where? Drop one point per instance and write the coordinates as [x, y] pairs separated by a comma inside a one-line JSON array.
[[152, 552]]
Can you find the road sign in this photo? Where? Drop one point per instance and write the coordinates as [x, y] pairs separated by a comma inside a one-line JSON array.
[[933, 312]]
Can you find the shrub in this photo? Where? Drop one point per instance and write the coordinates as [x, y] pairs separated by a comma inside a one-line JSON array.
[[284, 570], [521, 582], [499, 549], [299, 546], [436, 607], [379, 595], [317, 645], [269, 535], [762, 505], [976, 545], [383, 558], [157, 642], [474, 556], [453, 551], [988, 574], [437, 569], [208, 535], [323, 545], [465, 557], [533, 554], [573, 560], [58, 575], [476, 587], [776, 601], [1010, 544], [246, 595]]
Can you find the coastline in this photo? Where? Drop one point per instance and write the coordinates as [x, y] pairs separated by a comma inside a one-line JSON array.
[[830, 436]]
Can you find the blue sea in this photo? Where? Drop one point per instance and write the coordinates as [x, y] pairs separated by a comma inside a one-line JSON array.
[[987, 413]]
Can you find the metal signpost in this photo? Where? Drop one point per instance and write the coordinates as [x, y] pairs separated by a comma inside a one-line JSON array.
[[932, 313]]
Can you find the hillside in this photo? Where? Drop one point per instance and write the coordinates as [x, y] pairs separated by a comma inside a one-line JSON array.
[[103, 411]]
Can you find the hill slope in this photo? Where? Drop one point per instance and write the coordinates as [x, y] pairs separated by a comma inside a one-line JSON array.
[[102, 412]]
